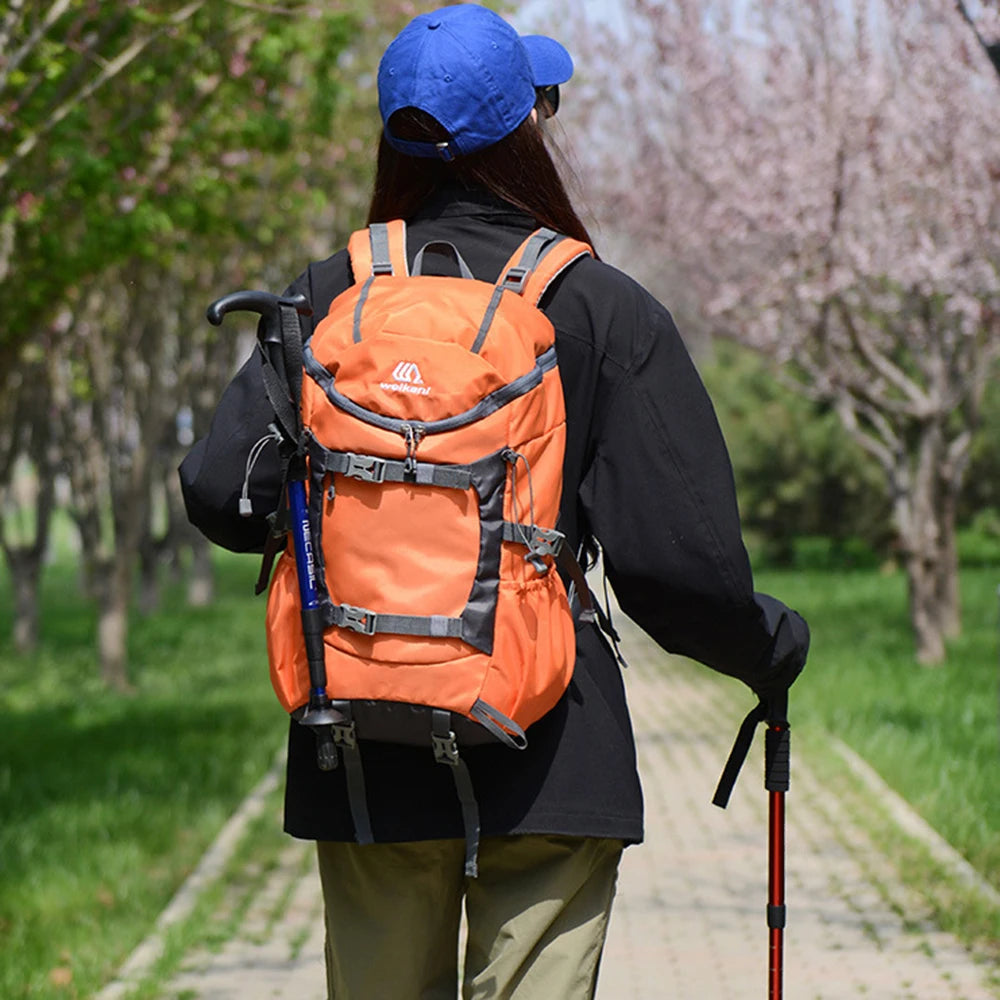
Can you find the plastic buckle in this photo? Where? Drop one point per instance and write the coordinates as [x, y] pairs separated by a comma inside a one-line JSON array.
[[345, 734], [515, 278], [357, 619], [365, 467], [546, 541], [445, 749]]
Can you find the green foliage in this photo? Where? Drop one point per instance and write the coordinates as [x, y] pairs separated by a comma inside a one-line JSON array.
[[799, 477], [215, 128], [108, 801], [823, 552], [979, 542]]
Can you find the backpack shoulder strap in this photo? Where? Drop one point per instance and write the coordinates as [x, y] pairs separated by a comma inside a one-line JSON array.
[[379, 249], [538, 261]]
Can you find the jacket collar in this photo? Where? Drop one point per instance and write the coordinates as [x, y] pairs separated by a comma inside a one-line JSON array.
[[455, 200]]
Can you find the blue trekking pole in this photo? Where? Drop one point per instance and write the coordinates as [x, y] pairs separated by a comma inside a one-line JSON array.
[[281, 346]]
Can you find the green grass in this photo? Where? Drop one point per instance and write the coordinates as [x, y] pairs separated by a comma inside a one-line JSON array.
[[933, 733], [108, 801]]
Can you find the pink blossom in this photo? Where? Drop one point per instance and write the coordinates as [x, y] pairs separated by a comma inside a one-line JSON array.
[[238, 64], [26, 204]]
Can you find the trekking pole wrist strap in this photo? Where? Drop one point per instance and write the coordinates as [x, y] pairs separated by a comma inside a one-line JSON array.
[[738, 755], [777, 755]]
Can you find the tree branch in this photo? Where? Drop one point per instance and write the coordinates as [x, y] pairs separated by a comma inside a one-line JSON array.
[[52, 15], [882, 443], [89, 56], [110, 70], [892, 373], [14, 10]]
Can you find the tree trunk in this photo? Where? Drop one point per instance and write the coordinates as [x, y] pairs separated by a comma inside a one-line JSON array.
[[25, 557], [149, 576], [201, 583], [925, 609], [112, 623], [925, 519], [949, 597], [25, 565]]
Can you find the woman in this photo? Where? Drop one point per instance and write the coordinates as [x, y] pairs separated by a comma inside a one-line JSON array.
[[646, 478]]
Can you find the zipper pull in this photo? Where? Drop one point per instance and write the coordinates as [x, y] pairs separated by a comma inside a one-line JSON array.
[[413, 434]]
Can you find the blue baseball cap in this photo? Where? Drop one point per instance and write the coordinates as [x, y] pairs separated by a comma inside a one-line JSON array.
[[471, 71]]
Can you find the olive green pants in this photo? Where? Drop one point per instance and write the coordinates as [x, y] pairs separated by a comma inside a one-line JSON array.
[[536, 916]]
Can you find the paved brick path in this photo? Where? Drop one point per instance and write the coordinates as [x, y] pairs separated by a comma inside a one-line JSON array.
[[689, 919]]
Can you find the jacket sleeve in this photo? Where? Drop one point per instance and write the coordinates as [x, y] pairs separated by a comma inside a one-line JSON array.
[[238, 454], [660, 498], [215, 469]]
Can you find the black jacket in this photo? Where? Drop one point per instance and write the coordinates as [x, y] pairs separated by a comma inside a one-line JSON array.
[[646, 473]]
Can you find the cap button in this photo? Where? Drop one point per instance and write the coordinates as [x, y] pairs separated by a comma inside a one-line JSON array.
[[434, 24]]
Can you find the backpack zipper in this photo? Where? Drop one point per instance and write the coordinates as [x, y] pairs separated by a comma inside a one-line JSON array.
[[489, 404]]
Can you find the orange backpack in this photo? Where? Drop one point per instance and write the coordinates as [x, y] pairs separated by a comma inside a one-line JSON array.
[[434, 429]]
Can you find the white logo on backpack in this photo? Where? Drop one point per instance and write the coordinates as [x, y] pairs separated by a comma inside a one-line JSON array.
[[407, 379], [407, 371]]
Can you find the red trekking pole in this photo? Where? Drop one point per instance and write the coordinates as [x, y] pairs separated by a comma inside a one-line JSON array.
[[777, 760]]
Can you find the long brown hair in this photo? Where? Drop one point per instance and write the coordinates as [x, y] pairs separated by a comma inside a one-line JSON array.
[[518, 170]]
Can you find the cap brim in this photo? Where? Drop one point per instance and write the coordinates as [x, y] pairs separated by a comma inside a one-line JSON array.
[[551, 64]]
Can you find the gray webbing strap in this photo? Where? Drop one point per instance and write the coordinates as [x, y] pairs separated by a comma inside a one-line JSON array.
[[446, 752], [515, 278], [372, 469], [569, 564], [537, 247], [507, 731], [345, 736], [362, 298], [484, 327], [368, 622], [378, 236], [451, 250]]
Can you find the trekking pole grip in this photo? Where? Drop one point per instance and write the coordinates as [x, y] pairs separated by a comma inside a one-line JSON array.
[[777, 758], [265, 303]]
